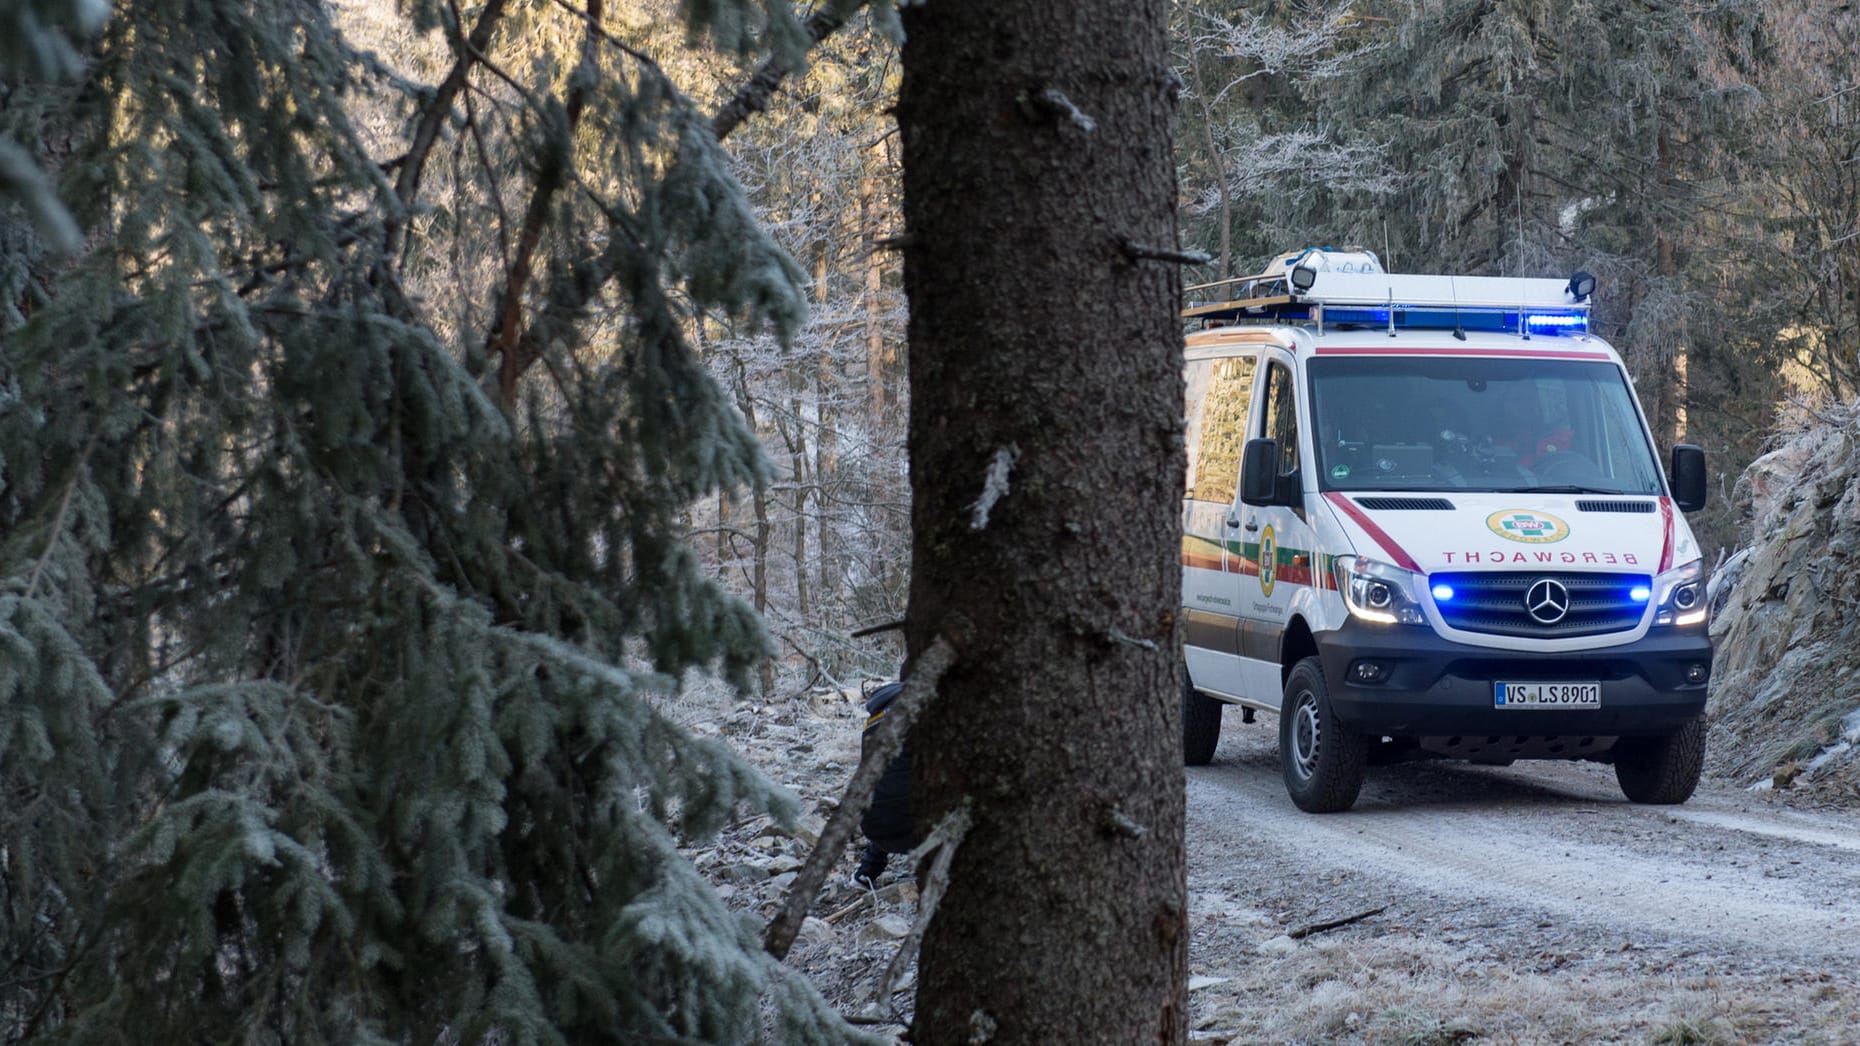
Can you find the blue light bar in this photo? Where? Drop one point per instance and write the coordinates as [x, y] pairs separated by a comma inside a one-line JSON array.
[[1377, 317], [1640, 593], [1557, 320], [1501, 321], [1443, 593]]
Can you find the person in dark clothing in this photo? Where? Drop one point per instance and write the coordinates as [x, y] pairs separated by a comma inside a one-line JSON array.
[[887, 821]]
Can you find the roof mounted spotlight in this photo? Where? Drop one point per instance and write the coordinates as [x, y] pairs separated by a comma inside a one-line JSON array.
[[1302, 277], [1581, 285]]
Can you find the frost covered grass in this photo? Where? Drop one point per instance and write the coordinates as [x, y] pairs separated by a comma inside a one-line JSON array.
[[1413, 990]]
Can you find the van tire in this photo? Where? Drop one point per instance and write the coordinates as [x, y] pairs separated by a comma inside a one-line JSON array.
[[1322, 760], [1201, 724], [1661, 770]]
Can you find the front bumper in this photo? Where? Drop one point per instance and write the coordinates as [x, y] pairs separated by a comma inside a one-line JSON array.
[[1435, 687]]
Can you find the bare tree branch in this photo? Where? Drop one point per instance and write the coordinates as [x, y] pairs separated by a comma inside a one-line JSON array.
[[942, 843], [1305, 931]]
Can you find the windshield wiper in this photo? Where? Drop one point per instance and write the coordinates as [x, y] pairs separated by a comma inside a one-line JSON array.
[[1559, 490]]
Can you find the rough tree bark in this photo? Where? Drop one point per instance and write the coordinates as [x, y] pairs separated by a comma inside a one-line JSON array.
[[1045, 364]]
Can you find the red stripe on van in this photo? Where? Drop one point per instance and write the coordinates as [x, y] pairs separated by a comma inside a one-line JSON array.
[[1666, 552], [1534, 354], [1380, 536]]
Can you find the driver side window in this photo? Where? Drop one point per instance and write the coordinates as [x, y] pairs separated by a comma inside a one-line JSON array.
[[1279, 416]]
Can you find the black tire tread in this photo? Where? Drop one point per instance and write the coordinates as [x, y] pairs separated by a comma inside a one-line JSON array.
[[1661, 771], [1201, 725], [1342, 758]]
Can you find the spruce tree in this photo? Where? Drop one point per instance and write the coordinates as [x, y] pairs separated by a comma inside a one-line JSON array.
[[1250, 132], [1535, 138], [341, 567]]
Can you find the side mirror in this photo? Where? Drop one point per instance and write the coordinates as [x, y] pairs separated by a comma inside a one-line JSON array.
[[1259, 472], [1688, 477]]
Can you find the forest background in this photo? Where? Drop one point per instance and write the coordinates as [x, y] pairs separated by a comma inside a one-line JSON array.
[[401, 400]]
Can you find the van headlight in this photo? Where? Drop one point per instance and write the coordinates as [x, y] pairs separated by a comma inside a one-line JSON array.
[[1680, 596], [1378, 592]]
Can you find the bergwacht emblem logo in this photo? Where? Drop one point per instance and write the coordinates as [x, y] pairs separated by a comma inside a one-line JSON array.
[[1534, 528], [1268, 562], [1547, 601]]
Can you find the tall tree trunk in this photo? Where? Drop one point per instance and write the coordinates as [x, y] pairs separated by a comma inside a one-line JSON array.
[[1211, 156], [1665, 409], [794, 433], [826, 481], [1045, 439], [765, 669], [759, 568], [878, 355]]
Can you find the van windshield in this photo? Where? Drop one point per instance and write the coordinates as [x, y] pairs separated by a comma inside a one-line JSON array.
[[1430, 423]]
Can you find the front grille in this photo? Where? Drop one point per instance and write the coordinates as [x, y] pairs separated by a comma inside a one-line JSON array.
[[1614, 506], [1406, 504], [1494, 603]]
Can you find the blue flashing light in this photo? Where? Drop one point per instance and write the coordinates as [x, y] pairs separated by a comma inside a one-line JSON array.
[[1640, 593], [1379, 317], [1444, 593], [1556, 320]]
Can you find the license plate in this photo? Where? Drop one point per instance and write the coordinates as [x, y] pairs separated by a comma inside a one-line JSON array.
[[1547, 695]]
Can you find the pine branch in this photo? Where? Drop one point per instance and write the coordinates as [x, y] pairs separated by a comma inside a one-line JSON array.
[[592, 18], [413, 165], [505, 339], [491, 180], [568, 297], [887, 740], [759, 90], [58, 520]]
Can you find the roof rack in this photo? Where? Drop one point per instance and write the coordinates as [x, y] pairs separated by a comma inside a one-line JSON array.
[[1349, 288]]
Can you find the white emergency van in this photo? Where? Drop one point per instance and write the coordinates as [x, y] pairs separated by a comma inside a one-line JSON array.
[[1425, 519]]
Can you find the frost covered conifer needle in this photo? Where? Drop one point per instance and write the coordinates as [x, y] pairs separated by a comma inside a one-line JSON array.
[[326, 649]]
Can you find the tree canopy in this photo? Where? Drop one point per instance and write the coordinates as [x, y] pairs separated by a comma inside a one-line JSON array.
[[343, 472]]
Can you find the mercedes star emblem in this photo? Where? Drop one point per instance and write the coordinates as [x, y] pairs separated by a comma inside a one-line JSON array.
[[1546, 601]]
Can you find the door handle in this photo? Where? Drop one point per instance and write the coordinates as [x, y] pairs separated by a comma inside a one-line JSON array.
[[1252, 525], [1233, 520]]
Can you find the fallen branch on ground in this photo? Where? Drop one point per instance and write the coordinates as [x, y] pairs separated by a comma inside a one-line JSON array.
[[1305, 931]]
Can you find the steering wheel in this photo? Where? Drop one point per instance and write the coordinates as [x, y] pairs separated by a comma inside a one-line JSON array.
[[1565, 468]]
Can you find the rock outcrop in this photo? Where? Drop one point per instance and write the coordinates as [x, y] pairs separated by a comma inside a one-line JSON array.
[[1785, 694]]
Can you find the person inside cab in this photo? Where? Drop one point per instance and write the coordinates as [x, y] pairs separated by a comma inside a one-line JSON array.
[[1523, 428]]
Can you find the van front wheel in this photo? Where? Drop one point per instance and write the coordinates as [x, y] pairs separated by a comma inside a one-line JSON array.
[[1201, 724], [1661, 770], [1323, 760]]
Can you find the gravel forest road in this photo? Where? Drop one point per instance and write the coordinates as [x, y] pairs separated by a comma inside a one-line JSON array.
[[1529, 903]]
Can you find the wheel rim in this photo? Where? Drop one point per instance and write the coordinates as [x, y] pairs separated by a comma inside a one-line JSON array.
[[1307, 733]]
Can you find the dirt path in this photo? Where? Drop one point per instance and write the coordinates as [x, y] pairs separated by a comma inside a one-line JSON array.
[[1529, 903], [1522, 905]]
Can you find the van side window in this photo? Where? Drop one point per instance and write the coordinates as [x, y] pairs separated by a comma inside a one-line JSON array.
[[1281, 416], [1219, 392]]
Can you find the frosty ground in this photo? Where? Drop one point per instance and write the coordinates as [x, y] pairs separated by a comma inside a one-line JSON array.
[[1528, 904]]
